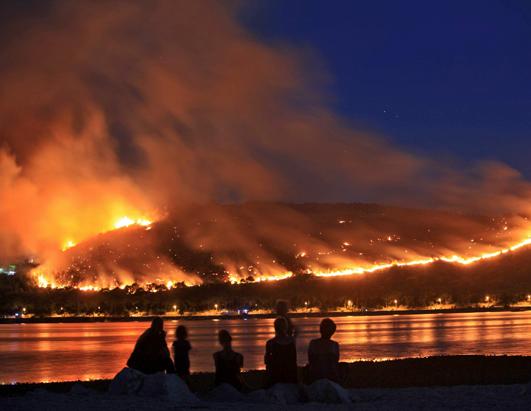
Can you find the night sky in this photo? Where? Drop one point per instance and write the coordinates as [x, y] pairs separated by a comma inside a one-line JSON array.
[[439, 77]]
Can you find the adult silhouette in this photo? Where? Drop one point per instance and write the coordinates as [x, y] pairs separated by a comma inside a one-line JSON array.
[[151, 354], [281, 355], [181, 349], [228, 362], [323, 354]]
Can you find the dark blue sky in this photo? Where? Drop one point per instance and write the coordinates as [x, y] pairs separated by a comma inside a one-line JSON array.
[[442, 77]]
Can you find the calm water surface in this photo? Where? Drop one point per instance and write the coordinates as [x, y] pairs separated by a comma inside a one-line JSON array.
[[81, 351]]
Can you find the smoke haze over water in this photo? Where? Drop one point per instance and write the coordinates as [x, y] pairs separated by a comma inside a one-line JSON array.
[[113, 108]]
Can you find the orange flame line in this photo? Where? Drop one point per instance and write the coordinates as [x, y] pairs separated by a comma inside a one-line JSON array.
[[449, 259]]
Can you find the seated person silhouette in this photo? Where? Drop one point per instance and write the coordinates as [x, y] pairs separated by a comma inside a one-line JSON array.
[[281, 355], [181, 348], [228, 362], [323, 354], [151, 354]]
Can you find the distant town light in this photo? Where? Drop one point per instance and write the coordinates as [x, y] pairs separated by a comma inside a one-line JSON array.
[[174, 307], [439, 300], [349, 303], [487, 298], [216, 306]]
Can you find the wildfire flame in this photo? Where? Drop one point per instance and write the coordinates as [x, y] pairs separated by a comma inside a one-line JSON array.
[[68, 244], [126, 222], [121, 222], [455, 259], [359, 270], [354, 269]]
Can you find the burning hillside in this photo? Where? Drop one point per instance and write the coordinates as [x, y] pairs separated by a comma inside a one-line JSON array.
[[266, 241], [121, 121]]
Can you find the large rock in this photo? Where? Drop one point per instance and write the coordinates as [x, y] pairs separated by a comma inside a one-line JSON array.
[[284, 394], [127, 381], [327, 391], [133, 382], [225, 393]]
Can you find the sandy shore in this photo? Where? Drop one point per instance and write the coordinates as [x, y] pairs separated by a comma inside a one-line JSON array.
[[496, 397]]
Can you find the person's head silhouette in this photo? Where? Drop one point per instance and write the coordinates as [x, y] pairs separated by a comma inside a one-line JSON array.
[[281, 327], [181, 333], [225, 339], [282, 308], [157, 325], [327, 328]]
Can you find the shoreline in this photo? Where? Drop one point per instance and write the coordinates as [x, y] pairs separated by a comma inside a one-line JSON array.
[[402, 373], [145, 318]]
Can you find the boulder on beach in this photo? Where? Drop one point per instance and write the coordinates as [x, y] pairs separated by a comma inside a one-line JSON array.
[[127, 381], [224, 393], [132, 382], [328, 392], [284, 394]]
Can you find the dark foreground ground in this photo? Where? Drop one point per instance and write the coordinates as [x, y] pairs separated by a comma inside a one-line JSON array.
[[414, 372]]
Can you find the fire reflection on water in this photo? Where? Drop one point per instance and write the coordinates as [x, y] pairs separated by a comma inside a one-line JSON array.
[[82, 351]]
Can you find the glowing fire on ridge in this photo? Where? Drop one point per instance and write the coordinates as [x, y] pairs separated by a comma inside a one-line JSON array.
[[121, 222], [357, 270], [67, 244], [456, 259], [126, 222]]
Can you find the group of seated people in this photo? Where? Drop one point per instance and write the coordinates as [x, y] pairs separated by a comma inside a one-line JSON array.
[[151, 355]]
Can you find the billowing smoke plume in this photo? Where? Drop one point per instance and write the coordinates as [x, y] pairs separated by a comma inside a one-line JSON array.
[[141, 108]]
